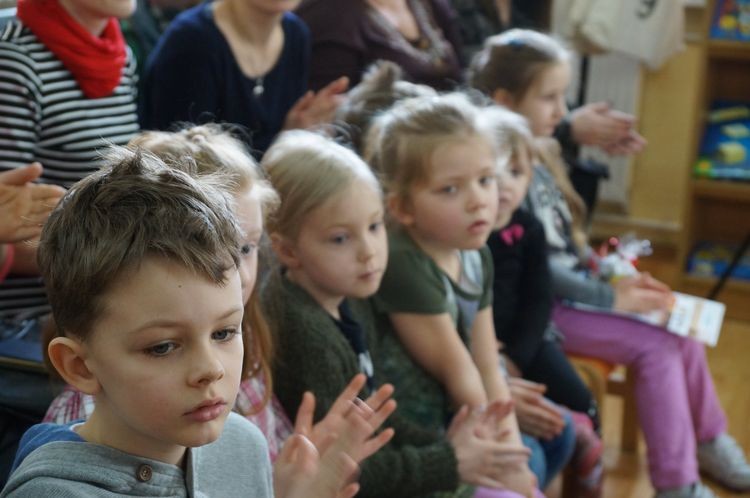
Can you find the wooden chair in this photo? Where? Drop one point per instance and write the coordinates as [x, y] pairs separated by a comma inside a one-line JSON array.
[[605, 378]]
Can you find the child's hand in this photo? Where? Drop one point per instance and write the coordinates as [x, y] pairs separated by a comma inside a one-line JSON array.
[[375, 410], [300, 472], [25, 206], [485, 461], [537, 416], [641, 294], [316, 108]]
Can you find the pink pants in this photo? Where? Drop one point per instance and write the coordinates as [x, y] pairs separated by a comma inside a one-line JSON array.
[[675, 396], [501, 493]]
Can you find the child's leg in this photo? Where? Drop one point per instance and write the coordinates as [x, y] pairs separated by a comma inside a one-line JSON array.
[[537, 459], [501, 493], [664, 405], [557, 451], [709, 419], [564, 386]]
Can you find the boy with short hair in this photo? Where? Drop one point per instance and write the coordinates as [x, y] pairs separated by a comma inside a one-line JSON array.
[[140, 263]]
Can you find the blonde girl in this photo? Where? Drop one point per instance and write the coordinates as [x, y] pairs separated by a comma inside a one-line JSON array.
[[679, 412], [438, 163], [329, 237]]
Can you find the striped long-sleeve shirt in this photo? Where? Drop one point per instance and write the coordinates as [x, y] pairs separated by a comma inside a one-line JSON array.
[[45, 117]]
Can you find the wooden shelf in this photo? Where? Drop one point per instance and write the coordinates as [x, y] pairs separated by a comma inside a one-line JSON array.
[[708, 282], [735, 294], [725, 49], [731, 191]]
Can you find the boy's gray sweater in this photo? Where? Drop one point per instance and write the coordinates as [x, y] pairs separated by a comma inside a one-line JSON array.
[[236, 464]]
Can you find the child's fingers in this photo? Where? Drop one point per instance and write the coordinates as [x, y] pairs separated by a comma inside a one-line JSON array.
[[343, 402], [379, 397], [372, 445], [303, 423]]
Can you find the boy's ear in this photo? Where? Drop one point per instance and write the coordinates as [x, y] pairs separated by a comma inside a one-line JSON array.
[[400, 209], [503, 97], [68, 357], [285, 251]]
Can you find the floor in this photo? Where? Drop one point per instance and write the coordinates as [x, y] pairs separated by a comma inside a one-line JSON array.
[[627, 475]]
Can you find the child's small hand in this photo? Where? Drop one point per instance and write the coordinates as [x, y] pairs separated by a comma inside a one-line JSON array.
[[486, 461], [537, 416], [375, 410], [300, 471], [641, 294]]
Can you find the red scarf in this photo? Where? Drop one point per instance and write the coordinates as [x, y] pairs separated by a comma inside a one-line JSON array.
[[96, 63]]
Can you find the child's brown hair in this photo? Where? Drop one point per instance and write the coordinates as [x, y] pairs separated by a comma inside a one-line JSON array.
[[135, 208]]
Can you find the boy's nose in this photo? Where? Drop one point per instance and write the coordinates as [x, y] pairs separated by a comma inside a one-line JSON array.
[[205, 367]]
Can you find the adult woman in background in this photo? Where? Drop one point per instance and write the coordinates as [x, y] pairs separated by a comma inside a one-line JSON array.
[[243, 62], [421, 36]]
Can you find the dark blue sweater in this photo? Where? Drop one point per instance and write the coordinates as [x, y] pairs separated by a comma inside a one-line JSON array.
[[192, 76]]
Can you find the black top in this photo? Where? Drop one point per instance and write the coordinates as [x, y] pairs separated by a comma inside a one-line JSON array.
[[355, 335], [522, 290]]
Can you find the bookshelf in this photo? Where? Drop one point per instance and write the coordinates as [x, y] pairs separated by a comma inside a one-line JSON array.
[[718, 210]]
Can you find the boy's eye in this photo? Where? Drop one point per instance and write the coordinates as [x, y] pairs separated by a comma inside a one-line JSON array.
[[449, 189], [374, 227], [224, 335], [247, 249], [162, 349], [486, 180], [339, 239]]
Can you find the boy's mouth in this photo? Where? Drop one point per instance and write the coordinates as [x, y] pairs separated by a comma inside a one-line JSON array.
[[207, 411], [478, 227]]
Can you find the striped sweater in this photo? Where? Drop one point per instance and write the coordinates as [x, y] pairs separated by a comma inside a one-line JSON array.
[[45, 117]]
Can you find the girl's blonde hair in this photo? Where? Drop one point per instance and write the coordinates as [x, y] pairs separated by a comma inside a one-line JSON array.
[[513, 61], [403, 139], [307, 169], [211, 152], [511, 134]]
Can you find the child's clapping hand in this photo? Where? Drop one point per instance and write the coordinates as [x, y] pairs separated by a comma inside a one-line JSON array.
[[537, 416], [324, 457], [484, 457]]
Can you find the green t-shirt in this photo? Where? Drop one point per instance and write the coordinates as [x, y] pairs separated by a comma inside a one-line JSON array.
[[413, 283]]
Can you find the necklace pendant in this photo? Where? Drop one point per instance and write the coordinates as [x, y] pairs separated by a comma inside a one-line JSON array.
[[258, 88]]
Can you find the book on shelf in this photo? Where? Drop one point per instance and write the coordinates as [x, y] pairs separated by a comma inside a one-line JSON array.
[[689, 316], [731, 20], [711, 259], [725, 149]]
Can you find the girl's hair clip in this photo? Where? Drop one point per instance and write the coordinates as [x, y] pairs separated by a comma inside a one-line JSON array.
[[516, 44]]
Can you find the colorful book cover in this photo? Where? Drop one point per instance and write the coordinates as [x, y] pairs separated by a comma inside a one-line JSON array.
[[731, 20], [725, 150]]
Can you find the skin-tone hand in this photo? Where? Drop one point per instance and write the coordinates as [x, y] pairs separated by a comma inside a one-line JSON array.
[[25, 206], [301, 471], [599, 125], [321, 460], [641, 294], [375, 410], [483, 459], [317, 108], [537, 416]]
